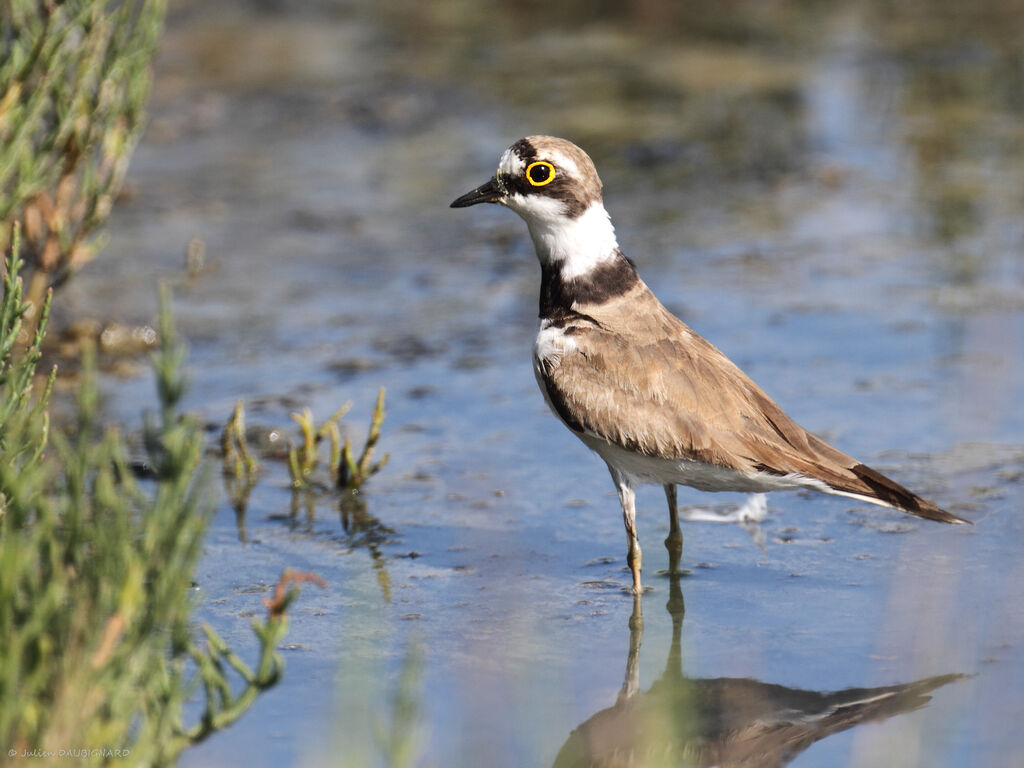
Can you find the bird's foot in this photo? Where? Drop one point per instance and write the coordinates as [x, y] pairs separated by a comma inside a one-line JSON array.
[[674, 573], [674, 545], [637, 591]]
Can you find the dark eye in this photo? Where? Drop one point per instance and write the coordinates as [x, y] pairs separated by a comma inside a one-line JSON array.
[[540, 173]]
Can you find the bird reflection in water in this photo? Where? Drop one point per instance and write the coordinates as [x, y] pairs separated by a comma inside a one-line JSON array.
[[725, 722]]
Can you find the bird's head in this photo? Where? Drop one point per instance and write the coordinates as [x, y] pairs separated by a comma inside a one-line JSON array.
[[541, 178], [553, 185]]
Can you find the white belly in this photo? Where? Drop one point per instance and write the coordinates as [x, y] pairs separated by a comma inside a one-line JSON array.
[[642, 469]]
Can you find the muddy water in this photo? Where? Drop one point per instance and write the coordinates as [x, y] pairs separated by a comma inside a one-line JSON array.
[[831, 194]]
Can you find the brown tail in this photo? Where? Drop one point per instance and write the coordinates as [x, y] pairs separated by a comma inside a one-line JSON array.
[[895, 495]]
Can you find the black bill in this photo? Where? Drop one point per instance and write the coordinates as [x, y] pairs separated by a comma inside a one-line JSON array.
[[487, 193]]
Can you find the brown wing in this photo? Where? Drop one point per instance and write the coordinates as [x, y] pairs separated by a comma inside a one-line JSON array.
[[641, 379]]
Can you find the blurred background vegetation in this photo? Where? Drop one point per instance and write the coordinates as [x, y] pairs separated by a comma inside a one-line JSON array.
[[97, 549], [75, 78]]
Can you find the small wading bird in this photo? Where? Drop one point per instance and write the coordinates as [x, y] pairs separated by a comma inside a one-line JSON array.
[[656, 401]]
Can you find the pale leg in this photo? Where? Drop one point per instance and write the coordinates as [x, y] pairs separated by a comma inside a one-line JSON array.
[[674, 542], [627, 498]]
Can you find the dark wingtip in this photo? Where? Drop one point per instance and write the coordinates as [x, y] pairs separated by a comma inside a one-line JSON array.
[[893, 493]]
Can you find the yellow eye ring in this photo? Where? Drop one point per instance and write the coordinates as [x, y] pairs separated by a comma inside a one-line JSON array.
[[540, 173]]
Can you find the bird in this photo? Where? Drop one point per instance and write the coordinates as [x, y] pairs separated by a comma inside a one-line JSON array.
[[655, 400]]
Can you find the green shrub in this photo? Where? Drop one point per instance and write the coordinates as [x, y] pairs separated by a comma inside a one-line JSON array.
[[97, 556], [74, 79]]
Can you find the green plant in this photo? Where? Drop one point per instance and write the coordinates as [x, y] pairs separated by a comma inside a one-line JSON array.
[[234, 447], [24, 427], [96, 569], [380, 717], [346, 471], [353, 472], [303, 460], [398, 735], [74, 79], [223, 706]]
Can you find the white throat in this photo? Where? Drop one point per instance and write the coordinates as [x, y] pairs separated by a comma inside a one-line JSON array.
[[577, 245]]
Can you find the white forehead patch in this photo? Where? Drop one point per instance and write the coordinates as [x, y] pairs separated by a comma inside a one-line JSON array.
[[511, 163]]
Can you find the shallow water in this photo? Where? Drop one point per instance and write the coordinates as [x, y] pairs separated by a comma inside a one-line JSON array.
[[831, 195]]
